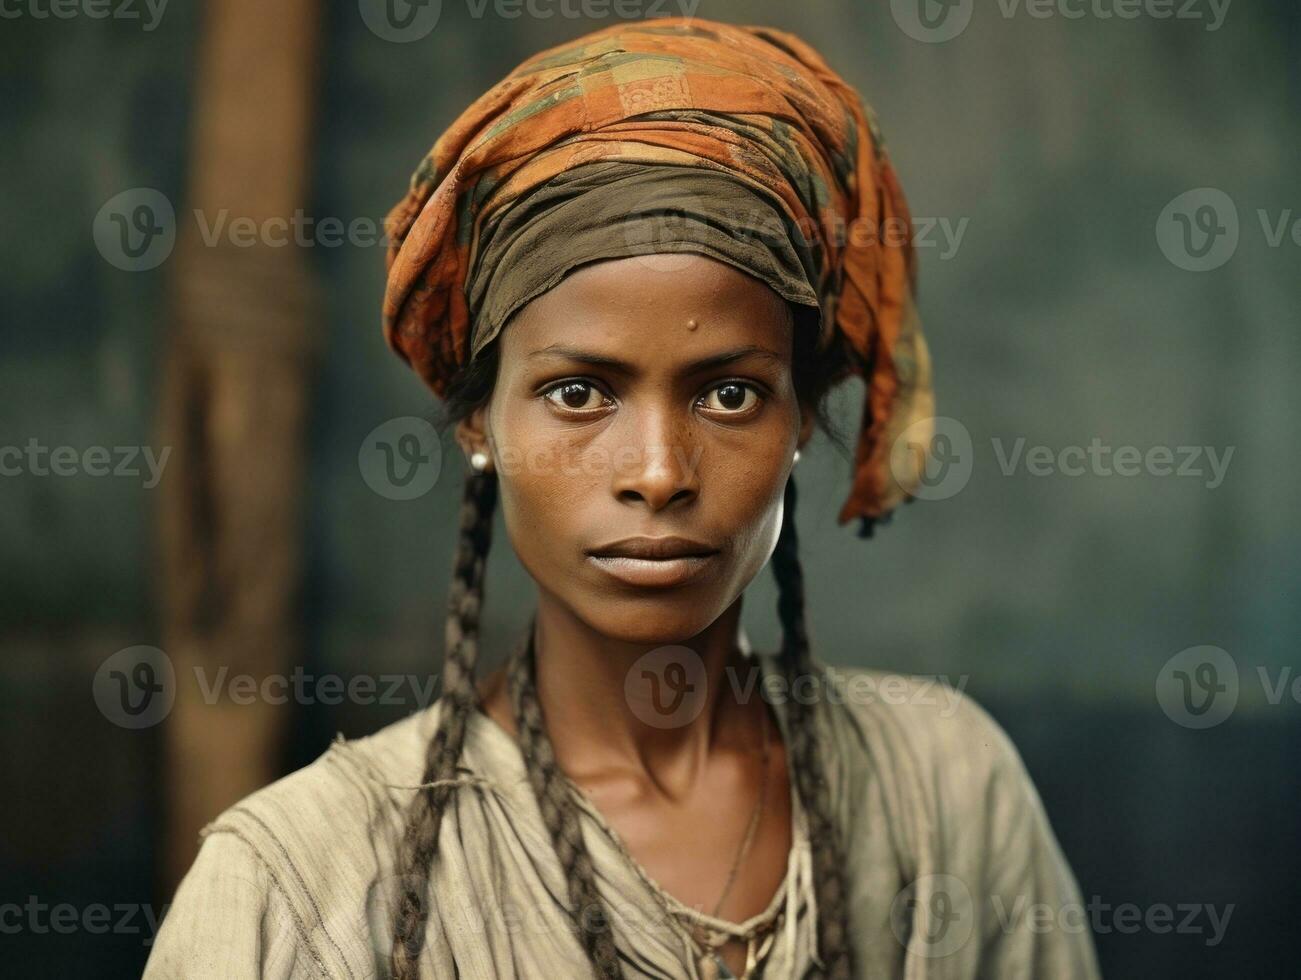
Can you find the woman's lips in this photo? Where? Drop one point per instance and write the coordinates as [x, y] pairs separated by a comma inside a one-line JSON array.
[[658, 572]]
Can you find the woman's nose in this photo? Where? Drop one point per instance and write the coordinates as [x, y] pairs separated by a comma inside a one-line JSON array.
[[657, 461]]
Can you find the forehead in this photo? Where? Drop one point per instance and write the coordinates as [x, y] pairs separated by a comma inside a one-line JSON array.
[[653, 307]]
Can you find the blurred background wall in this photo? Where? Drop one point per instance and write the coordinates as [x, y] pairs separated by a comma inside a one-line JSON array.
[[1107, 210]]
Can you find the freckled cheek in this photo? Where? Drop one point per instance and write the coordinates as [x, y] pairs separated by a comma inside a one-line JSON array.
[[744, 480], [756, 530], [743, 493], [546, 490]]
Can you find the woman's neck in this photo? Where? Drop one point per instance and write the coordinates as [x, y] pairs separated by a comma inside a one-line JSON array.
[[652, 712]]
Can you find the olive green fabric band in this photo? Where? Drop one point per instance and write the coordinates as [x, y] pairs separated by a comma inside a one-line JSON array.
[[608, 210]]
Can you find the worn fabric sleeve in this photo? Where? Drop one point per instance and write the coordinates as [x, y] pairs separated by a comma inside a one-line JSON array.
[[228, 919]]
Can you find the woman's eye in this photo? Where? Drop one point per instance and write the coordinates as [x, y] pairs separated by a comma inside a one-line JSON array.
[[732, 397], [574, 395]]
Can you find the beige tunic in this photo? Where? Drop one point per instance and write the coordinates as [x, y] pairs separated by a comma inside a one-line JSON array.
[[954, 871]]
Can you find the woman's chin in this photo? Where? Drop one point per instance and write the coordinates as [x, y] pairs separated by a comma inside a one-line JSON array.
[[654, 620]]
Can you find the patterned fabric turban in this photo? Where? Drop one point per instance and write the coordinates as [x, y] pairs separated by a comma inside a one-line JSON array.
[[675, 134]]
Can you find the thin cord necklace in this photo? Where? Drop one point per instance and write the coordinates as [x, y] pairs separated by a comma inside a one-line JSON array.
[[710, 964]]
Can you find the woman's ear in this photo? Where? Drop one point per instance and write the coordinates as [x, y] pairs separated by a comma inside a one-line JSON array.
[[472, 433], [806, 427]]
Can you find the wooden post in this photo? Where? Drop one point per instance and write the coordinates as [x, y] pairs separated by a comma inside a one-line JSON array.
[[236, 378]]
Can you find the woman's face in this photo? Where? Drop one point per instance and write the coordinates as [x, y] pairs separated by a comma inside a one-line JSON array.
[[644, 397]]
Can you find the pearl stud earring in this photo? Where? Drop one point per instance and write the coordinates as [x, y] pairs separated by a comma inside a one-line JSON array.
[[479, 461], [797, 457]]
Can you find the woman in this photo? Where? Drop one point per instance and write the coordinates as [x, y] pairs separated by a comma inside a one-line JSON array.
[[632, 270]]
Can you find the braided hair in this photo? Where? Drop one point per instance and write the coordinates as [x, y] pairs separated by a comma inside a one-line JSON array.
[[815, 368]]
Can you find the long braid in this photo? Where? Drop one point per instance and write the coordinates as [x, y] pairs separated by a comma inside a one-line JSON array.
[[828, 867], [459, 696], [560, 814]]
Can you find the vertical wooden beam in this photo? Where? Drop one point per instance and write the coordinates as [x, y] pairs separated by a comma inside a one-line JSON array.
[[234, 404]]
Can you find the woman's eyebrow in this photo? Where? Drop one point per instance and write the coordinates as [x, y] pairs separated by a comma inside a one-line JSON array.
[[623, 367]]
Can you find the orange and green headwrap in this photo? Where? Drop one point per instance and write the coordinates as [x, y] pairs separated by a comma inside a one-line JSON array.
[[744, 129]]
